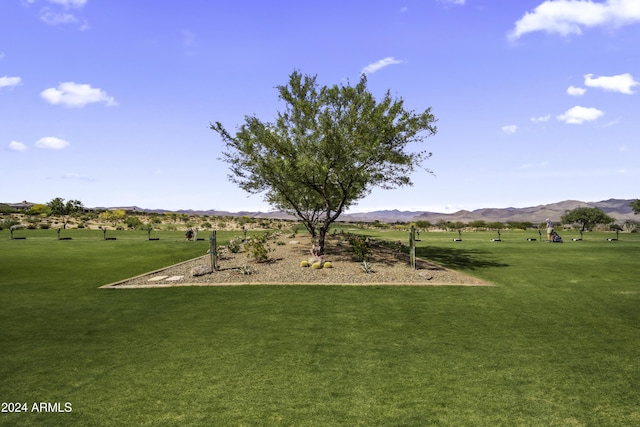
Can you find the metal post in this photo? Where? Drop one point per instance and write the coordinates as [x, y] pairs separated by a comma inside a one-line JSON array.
[[412, 247], [213, 251]]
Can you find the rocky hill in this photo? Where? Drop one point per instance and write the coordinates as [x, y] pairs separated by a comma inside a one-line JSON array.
[[619, 209]]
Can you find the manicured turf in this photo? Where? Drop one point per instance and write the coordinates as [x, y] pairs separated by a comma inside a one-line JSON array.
[[555, 343]]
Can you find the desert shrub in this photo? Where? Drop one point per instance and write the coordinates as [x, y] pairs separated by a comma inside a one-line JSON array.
[[234, 245], [206, 225], [134, 223], [360, 247], [32, 226], [257, 249], [7, 223], [46, 226]]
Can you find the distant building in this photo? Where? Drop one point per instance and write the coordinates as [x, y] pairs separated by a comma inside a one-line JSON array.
[[22, 206]]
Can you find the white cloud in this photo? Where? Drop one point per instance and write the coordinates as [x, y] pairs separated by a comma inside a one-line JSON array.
[[17, 146], [1, 56], [9, 81], [78, 177], [77, 4], [566, 17], [510, 129], [454, 2], [72, 94], [59, 13], [372, 68], [578, 115], [55, 18], [621, 83], [541, 119], [576, 91], [52, 143]]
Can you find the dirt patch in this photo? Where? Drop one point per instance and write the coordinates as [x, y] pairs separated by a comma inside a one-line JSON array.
[[388, 267]]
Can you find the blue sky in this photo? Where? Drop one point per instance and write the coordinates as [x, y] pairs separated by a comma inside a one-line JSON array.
[[109, 102]]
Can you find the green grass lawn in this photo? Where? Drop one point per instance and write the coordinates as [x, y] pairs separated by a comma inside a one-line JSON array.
[[555, 343]]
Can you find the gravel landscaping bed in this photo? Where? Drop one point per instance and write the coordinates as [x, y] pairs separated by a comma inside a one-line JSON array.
[[389, 267]]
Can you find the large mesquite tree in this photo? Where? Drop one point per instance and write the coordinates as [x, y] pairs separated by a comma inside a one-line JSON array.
[[587, 217], [328, 149]]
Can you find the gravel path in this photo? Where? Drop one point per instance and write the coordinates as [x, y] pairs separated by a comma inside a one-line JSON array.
[[389, 268]]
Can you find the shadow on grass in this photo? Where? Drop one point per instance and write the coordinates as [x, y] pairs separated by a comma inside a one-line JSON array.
[[458, 259]]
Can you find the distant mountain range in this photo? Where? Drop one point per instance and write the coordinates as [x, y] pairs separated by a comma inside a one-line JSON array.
[[618, 209]]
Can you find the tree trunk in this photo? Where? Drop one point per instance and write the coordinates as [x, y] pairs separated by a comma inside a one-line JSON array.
[[321, 238]]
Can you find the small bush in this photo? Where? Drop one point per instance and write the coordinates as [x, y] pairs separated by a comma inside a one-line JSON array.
[[360, 247], [46, 226], [8, 223], [234, 245], [257, 249]]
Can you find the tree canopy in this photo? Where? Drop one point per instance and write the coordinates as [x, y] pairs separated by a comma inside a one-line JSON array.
[[60, 208], [327, 150], [587, 217], [635, 205]]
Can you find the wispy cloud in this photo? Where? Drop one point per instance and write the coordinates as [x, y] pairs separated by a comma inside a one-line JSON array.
[[578, 115], [576, 91], [72, 94], [541, 119], [16, 146], [509, 129], [9, 81], [535, 165], [63, 12], [621, 83], [1, 56], [68, 4], [454, 2], [52, 143], [78, 177], [567, 17], [376, 66]]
